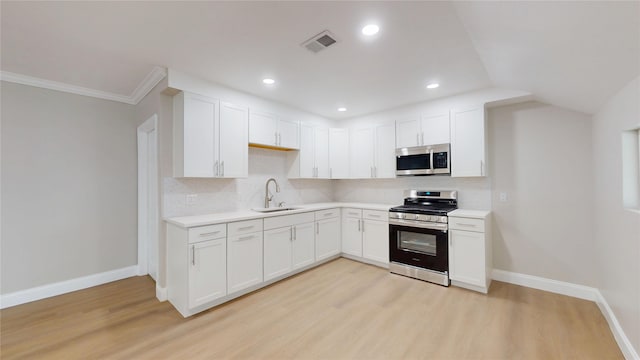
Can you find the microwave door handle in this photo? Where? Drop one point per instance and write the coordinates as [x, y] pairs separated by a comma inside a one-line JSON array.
[[431, 158]]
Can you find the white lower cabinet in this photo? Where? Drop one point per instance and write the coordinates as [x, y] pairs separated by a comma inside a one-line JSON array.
[[327, 233], [207, 272], [244, 261], [289, 244], [365, 234], [470, 260], [352, 231]]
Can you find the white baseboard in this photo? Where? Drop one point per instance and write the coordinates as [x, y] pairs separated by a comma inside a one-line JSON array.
[[621, 338], [540, 283], [161, 293], [574, 290], [46, 291]]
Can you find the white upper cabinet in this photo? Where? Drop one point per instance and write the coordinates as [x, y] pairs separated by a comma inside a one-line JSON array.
[[270, 130], [468, 142], [372, 152], [209, 137], [385, 164], [361, 153], [338, 153], [429, 129], [312, 161], [234, 153], [408, 132]]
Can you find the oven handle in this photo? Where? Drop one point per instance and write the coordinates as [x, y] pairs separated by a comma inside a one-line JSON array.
[[419, 224]]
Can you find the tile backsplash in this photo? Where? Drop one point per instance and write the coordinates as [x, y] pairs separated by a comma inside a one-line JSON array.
[[217, 195]]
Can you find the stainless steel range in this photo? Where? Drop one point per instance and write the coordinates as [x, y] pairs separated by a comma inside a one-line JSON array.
[[418, 235]]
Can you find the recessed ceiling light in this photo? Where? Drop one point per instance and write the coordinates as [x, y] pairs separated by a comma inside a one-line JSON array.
[[342, 109], [370, 29], [433, 86], [268, 81]]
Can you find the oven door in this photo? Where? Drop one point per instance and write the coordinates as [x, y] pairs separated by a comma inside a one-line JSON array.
[[419, 247]]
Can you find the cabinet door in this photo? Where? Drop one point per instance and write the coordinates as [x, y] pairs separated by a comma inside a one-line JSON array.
[[467, 257], [339, 153], [385, 152], [262, 128], [407, 132], [361, 154], [234, 133], [303, 250], [200, 136], [375, 240], [435, 129], [327, 238], [244, 261], [307, 157], [207, 271], [321, 145], [277, 252], [467, 142], [352, 236], [288, 134]]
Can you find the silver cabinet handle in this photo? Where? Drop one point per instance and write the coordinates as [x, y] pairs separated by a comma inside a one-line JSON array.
[[276, 135], [431, 158], [215, 169], [246, 238], [481, 168], [463, 224], [374, 215], [362, 225], [422, 141], [222, 168], [291, 233], [210, 233], [375, 171], [295, 235], [193, 255], [246, 227], [279, 139], [417, 139], [359, 225], [317, 228]]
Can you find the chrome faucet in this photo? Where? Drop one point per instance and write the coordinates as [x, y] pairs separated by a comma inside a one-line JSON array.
[[267, 198]]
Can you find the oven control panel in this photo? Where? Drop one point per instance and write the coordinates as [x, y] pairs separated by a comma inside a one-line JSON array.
[[418, 217]]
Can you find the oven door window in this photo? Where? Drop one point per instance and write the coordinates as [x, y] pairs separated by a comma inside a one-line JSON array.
[[417, 243]]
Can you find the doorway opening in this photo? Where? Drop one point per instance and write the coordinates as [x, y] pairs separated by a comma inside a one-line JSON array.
[[148, 198]]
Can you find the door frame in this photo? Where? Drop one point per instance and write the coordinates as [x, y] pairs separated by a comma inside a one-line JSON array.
[[147, 159]]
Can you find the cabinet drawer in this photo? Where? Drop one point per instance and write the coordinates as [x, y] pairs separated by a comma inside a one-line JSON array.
[[287, 220], [456, 223], [352, 212], [208, 232], [327, 214], [375, 215], [244, 227]]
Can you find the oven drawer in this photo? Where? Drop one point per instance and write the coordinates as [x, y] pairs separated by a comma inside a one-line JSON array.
[[467, 224], [375, 215]]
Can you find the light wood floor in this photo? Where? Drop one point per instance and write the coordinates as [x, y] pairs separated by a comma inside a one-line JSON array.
[[343, 309]]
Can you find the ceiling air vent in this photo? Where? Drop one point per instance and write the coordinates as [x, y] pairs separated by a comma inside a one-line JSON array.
[[320, 42]]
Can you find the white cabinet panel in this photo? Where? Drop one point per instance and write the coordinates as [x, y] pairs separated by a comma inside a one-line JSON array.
[[407, 132], [362, 153], [244, 267], [303, 245], [288, 134], [375, 240], [195, 135], [277, 252], [306, 154], [207, 271], [466, 257], [435, 129], [352, 235], [468, 142], [327, 238], [385, 147], [234, 140], [321, 147], [339, 153], [262, 128]]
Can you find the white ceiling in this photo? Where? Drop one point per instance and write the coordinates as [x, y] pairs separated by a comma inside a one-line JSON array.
[[573, 54]]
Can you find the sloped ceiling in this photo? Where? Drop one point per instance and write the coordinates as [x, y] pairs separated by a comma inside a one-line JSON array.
[[573, 54]]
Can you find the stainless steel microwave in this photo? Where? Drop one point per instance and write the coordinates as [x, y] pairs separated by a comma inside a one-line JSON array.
[[423, 160]]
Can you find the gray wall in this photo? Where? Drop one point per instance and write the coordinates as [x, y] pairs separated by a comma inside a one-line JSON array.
[[69, 191], [617, 231], [540, 155]]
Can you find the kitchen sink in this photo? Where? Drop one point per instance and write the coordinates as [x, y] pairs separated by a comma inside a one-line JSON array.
[[274, 209]]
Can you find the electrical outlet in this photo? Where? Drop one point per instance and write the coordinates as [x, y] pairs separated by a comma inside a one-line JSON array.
[[191, 199], [503, 197]]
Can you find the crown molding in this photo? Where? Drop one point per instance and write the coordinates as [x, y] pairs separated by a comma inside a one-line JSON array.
[[147, 84]]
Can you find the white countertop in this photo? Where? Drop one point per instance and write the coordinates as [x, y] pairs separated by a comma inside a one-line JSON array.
[[225, 217], [475, 214]]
